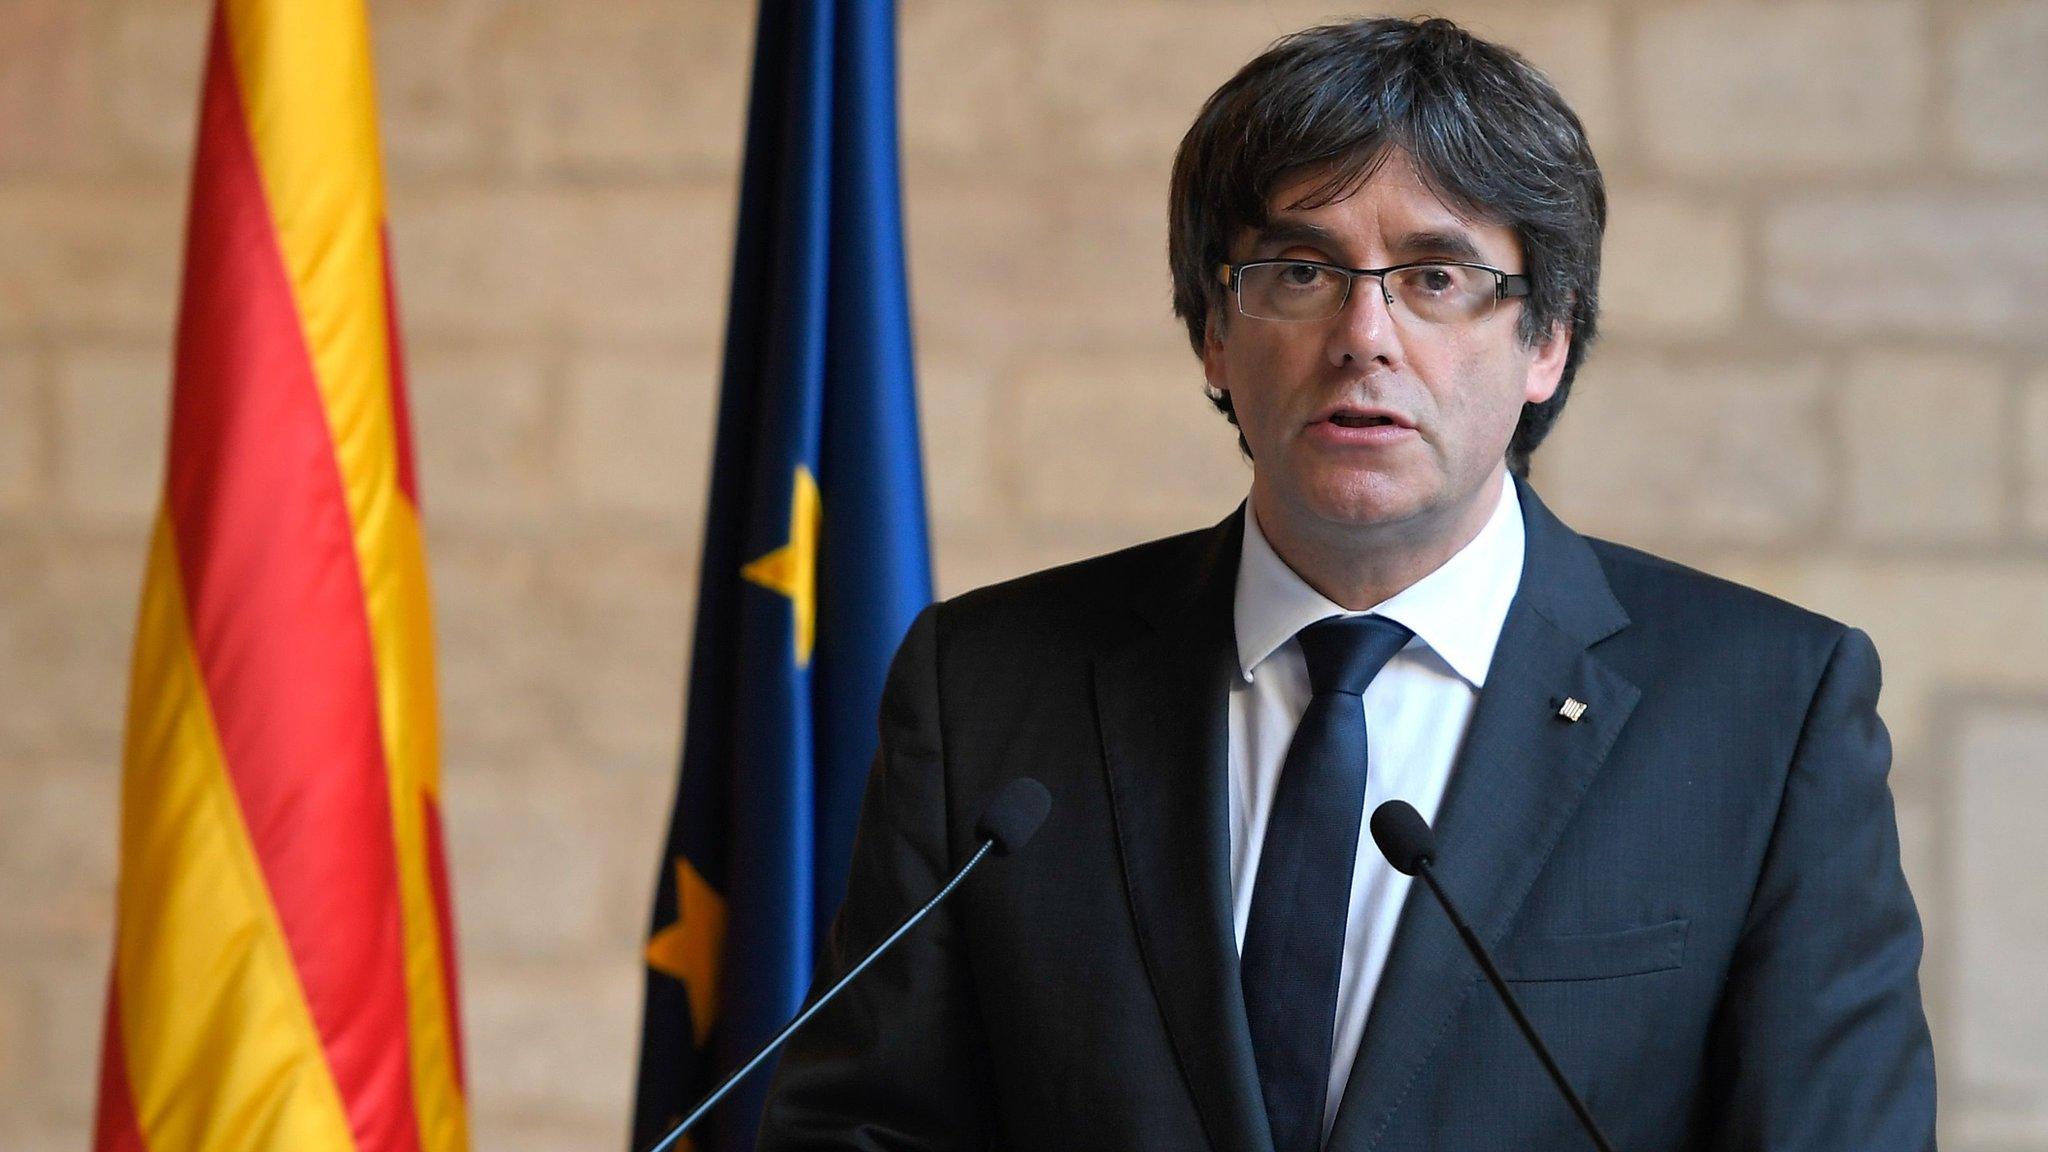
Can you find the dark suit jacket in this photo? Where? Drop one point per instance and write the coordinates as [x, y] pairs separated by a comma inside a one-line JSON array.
[[1695, 888]]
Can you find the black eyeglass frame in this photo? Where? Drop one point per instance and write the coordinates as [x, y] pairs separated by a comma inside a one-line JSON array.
[[1506, 285]]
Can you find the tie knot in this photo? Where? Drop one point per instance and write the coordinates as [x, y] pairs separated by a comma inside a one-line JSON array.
[[1344, 653]]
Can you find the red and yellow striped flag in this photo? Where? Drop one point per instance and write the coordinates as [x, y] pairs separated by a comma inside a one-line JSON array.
[[284, 974]]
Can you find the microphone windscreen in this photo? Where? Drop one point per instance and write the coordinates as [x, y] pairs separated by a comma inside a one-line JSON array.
[[1013, 817], [1403, 836]]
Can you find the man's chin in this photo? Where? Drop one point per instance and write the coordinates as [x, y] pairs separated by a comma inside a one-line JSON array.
[[1376, 520], [1366, 514], [1341, 502], [1367, 503]]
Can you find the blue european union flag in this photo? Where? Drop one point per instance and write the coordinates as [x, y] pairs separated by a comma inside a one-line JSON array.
[[815, 561]]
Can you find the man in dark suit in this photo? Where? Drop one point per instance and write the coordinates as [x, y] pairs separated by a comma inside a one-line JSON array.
[[1660, 797]]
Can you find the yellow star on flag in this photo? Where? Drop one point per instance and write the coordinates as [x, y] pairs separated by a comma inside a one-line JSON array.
[[688, 950], [793, 568]]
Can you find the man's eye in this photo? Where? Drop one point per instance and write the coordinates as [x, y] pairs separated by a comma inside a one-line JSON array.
[[1435, 280], [1301, 275]]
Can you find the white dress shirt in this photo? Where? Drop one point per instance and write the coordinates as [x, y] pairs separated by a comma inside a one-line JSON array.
[[1416, 712]]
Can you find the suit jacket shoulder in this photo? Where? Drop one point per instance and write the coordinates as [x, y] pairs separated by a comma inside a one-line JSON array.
[[1677, 613], [1648, 584], [1088, 606]]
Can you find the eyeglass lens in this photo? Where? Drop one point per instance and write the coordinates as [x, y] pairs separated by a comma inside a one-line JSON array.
[[1431, 293]]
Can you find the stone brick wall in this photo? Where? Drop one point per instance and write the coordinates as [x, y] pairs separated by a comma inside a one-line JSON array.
[[1826, 373]]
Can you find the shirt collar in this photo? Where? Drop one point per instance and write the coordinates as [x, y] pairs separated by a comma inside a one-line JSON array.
[[1457, 610]]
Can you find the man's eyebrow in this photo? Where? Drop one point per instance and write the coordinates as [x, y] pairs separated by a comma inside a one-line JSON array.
[[1283, 233], [1449, 245], [1445, 244]]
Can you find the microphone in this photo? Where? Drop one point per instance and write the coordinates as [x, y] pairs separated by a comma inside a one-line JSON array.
[[1405, 839], [1006, 825], [1012, 818]]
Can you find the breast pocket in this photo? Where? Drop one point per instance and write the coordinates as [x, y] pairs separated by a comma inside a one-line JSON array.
[[1597, 955]]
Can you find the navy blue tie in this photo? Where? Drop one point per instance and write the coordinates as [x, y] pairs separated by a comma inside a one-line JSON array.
[[1294, 942]]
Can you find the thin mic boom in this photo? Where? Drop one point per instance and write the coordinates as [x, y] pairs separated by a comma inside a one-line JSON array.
[[1405, 839], [1006, 825]]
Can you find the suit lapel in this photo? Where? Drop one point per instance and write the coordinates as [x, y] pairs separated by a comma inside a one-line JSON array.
[[1162, 701], [1516, 782]]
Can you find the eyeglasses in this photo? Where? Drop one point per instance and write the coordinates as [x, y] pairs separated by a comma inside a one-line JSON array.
[[1433, 292]]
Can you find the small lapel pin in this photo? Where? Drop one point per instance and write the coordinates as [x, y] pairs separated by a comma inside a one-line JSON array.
[[1572, 710]]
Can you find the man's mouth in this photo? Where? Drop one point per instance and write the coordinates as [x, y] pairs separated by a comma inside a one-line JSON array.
[[1354, 420]]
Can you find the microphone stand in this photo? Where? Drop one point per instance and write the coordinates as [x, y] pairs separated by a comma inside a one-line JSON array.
[[704, 1106], [1493, 977]]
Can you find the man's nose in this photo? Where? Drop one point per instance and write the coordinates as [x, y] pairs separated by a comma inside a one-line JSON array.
[[1365, 329]]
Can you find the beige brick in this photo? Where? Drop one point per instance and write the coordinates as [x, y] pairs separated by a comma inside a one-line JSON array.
[[637, 804], [112, 412], [2002, 925], [627, 613], [1656, 451], [156, 56], [24, 720], [979, 274], [1000, 269], [554, 1042], [636, 434], [436, 114], [974, 555], [46, 76], [516, 1133], [67, 621], [1123, 441], [94, 256], [481, 434], [497, 629], [963, 67], [68, 1017], [1923, 435], [26, 1132], [1892, 264], [527, 857], [960, 425], [16, 1053], [2034, 455], [2000, 86], [1104, 267], [488, 260], [59, 833], [1672, 265], [654, 86], [1980, 1128], [23, 430], [1762, 88], [632, 813], [1121, 82]]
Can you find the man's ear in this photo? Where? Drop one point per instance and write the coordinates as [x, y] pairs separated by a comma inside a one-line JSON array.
[[1212, 352], [1546, 367]]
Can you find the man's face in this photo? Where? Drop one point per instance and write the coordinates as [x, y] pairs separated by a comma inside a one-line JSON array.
[[1301, 390]]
